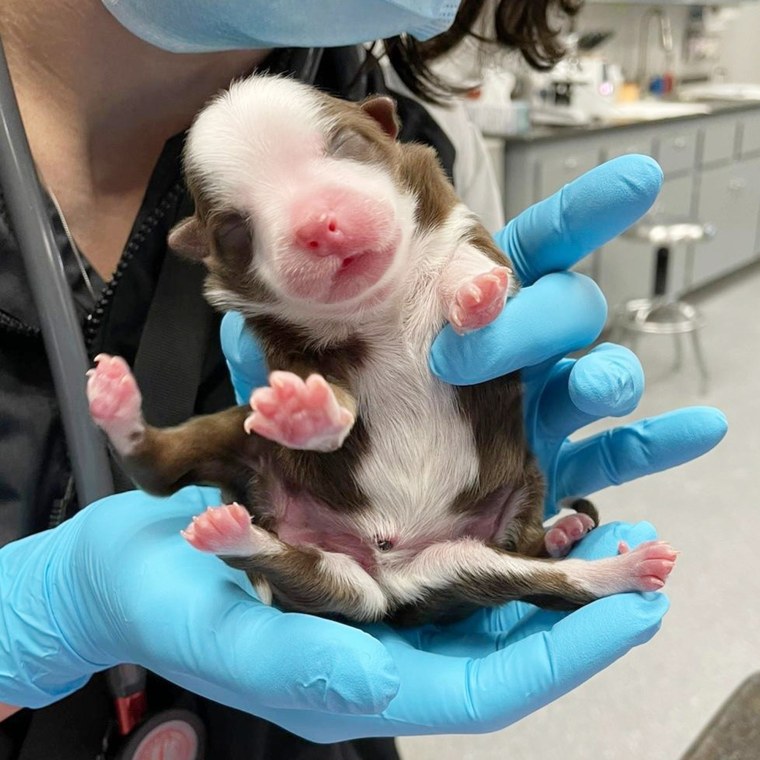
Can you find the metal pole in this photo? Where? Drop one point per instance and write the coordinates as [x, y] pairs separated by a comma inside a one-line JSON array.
[[60, 329]]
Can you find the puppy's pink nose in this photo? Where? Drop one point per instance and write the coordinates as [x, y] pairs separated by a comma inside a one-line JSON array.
[[322, 235]]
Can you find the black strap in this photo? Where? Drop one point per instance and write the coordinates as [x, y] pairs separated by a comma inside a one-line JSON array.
[[170, 357]]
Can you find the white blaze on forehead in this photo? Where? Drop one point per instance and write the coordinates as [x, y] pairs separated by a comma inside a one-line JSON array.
[[255, 134]]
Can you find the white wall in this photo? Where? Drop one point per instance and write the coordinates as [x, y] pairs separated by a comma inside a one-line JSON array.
[[739, 52]]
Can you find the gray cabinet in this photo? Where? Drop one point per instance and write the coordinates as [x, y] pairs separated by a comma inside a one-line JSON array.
[[750, 135], [560, 166], [625, 268], [676, 148], [712, 171], [729, 196]]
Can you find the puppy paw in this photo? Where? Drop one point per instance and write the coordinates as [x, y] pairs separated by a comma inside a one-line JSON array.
[[648, 565], [299, 414], [223, 530], [115, 402], [566, 532], [479, 300]]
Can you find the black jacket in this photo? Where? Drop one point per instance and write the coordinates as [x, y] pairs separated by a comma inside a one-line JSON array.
[[36, 487]]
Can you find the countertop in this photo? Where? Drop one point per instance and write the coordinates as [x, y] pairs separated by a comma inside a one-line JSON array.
[[538, 134]]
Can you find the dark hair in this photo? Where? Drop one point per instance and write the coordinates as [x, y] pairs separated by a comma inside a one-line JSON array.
[[522, 25]]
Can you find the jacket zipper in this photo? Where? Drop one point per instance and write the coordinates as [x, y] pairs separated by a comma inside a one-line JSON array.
[[95, 317], [12, 324], [60, 508]]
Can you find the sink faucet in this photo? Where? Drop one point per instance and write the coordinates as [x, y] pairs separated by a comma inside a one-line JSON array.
[[666, 42]]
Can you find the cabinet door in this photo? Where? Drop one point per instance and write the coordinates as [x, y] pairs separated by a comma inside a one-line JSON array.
[[625, 141], [718, 143], [626, 267], [676, 148], [729, 197], [559, 165], [750, 126]]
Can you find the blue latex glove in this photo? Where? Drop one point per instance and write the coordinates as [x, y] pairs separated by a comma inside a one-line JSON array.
[[117, 583], [558, 312], [500, 664]]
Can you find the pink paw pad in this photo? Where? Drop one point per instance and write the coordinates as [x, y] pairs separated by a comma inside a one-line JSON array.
[[299, 414], [650, 564], [221, 530], [566, 532], [115, 402], [479, 300]]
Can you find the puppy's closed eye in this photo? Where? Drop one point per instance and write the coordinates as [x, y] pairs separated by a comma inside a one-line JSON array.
[[233, 234], [351, 145]]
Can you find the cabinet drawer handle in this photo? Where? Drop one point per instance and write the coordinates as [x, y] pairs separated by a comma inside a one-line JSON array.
[[679, 143], [570, 163], [737, 184]]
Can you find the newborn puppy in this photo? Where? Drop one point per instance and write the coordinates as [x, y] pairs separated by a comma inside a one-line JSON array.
[[372, 490]]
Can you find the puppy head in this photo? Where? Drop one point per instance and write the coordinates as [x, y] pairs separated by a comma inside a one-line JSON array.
[[301, 202]]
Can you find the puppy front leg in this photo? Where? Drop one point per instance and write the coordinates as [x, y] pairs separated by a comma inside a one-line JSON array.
[[303, 579], [475, 284], [206, 449]]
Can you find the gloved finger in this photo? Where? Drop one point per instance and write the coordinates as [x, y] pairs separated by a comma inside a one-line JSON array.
[[549, 663], [587, 213], [641, 448], [261, 656], [522, 336], [606, 382], [516, 620], [245, 359]]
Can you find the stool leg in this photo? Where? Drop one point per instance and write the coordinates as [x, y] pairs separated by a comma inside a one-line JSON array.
[[704, 375], [633, 340], [677, 364], [617, 327]]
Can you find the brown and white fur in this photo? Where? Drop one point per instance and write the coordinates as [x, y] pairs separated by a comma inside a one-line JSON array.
[[376, 490]]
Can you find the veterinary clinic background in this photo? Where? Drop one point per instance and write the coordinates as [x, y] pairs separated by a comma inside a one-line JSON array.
[[118, 639]]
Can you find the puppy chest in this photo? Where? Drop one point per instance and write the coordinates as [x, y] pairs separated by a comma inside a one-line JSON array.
[[421, 451]]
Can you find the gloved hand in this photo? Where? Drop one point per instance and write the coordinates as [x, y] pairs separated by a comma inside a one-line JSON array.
[[500, 664], [558, 312], [118, 584]]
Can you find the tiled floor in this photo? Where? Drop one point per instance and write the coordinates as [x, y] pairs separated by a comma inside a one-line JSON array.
[[651, 704]]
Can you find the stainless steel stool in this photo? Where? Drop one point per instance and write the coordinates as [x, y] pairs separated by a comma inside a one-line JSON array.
[[664, 313]]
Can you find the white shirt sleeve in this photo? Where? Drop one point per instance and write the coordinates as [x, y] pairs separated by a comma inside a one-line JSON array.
[[474, 175]]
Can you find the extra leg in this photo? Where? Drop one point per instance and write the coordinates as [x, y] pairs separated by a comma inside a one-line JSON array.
[[566, 532], [306, 580], [467, 574], [206, 449]]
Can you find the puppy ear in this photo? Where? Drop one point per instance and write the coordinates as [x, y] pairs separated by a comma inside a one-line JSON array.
[[383, 110], [190, 239]]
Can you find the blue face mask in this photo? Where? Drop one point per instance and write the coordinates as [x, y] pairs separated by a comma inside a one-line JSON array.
[[196, 26]]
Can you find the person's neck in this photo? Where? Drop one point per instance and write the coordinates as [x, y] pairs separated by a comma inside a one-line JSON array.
[[108, 85], [98, 105]]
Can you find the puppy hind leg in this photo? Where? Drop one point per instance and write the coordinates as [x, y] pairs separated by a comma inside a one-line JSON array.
[[468, 572], [301, 579]]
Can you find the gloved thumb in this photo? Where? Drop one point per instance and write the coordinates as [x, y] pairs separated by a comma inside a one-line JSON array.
[[245, 360]]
